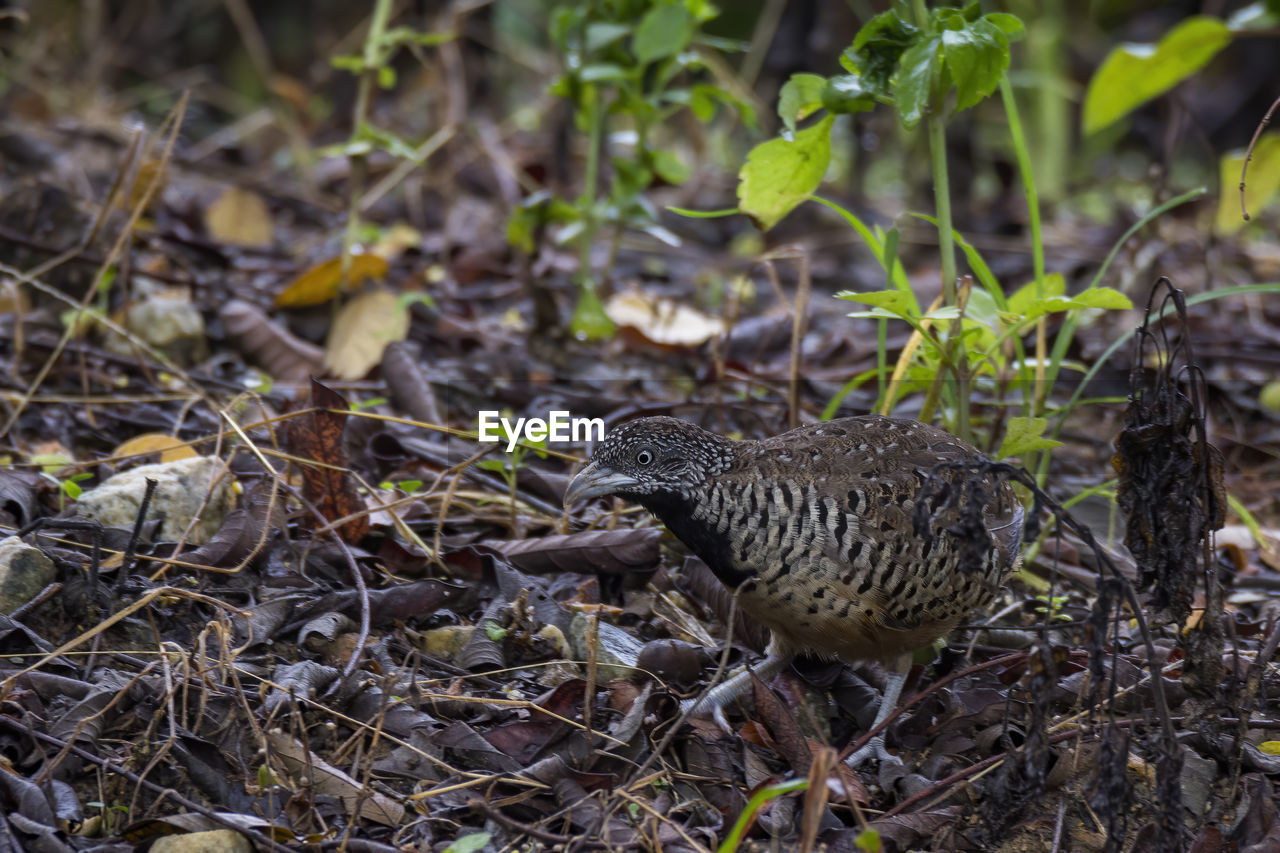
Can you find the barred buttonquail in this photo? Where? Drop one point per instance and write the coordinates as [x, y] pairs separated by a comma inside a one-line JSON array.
[[813, 529]]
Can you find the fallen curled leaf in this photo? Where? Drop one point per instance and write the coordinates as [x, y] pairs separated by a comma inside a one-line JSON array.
[[325, 779], [240, 217], [362, 331], [322, 282], [269, 344], [329, 487]]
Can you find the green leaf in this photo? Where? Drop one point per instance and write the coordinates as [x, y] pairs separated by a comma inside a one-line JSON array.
[[669, 167], [1020, 301], [1262, 183], [1010, 25], [470, 843], [799, 98], [877, 48], [1025, 435], [1133, 74], [1096, 297], [664, 31], [915, 81], [781, 173], [846, 93], [977, 55], [601, 72], [602, 33], [898, 303]]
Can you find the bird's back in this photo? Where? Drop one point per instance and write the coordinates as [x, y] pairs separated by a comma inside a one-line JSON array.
[[815, 528]]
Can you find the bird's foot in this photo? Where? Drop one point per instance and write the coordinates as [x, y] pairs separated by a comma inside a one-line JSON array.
[[692, 707], [873, 749]]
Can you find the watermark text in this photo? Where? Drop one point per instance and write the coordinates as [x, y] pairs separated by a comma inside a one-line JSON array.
[[557, 426]]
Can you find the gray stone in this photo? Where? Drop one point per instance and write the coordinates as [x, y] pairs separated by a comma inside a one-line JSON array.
[[616, 652], [24, 571], [181, 487]]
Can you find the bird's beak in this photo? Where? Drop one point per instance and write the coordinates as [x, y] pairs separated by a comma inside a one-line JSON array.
[[596, 480]]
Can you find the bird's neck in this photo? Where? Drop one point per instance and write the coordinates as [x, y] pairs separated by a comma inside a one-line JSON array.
[[678, 512]]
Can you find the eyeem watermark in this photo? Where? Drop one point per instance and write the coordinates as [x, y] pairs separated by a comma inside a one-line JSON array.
[[558, 426]]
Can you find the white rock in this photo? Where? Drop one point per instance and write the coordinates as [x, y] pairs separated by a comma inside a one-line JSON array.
[[181, 488]]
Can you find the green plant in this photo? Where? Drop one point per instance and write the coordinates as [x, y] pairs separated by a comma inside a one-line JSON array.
[[68, 487], [1133, 74], [508, 467], [761, 798], [372, 66], [927, 64], [1050, 607], [630, 65]]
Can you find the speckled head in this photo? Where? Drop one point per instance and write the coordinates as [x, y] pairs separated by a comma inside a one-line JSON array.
[[652, 456]]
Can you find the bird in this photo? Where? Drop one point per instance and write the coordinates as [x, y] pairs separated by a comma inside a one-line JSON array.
[[813, 531]]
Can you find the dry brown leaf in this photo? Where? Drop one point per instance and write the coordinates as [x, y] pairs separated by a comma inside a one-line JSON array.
[[330, 486], [169, 448], [323, 778], [240, 218], [268, 344], [322, 282], [362, 331]]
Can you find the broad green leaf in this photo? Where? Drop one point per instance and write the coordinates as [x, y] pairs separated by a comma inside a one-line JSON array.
[[780, 173], [1096, 297], [1054, 285], [899, 303], [669, 167], [1025, 435], [1133, 74], [877, 47], [1261, 183], [977, 55], [846, 93], [799, 98], [915, 81], [664, 31], [1010, 25], [603, 33], [471, 843]]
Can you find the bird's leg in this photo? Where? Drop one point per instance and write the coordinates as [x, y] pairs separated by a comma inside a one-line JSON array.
[[892, 692], [736, 684]]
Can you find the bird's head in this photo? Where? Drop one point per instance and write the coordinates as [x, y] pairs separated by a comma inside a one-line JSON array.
[[651, 458]]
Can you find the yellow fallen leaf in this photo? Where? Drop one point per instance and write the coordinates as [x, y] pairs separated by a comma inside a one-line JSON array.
[[151, 171], [322, 282], [361, 332], [169, 448], [240, 217], [395, 241]]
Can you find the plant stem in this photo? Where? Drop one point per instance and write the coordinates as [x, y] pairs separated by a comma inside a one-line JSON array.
[[373, 58], [595, 134], [1034, 407], [955, 358]]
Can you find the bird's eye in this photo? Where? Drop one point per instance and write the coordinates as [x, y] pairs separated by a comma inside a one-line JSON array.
[[644, 457]]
